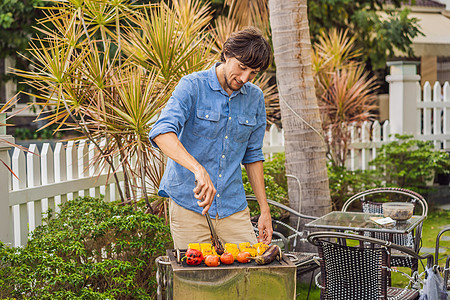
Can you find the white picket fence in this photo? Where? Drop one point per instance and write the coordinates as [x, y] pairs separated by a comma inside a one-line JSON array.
[[63, 173], [433, 115], [47, 179]]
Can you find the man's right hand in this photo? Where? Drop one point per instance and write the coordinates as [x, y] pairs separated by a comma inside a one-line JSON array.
[[204, 190]]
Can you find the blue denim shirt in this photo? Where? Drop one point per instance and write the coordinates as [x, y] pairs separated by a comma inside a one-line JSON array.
[[219, 131]]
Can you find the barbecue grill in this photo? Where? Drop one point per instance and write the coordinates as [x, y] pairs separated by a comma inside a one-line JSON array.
[[177, 280]]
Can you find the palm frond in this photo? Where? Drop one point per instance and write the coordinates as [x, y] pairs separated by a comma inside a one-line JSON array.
[[250, 13], [273, 113], [160, 42], [223, 28], [193, 15], [350, 98]]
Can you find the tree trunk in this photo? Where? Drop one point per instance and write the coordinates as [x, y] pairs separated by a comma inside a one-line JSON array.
[[304, 143]]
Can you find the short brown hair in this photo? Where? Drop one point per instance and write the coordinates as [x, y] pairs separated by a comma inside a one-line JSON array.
[[249, 47]]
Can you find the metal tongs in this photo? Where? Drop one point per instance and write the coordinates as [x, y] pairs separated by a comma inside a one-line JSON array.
[[216, 243]]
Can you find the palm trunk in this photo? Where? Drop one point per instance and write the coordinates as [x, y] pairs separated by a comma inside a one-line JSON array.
[[142, 166], [126, 178], [304, 143]]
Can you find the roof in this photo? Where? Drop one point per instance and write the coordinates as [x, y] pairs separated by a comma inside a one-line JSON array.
[[436, 29], [426, 3], [436, 39]]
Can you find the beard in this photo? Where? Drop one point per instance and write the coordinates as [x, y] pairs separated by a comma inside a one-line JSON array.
[[229, 84]]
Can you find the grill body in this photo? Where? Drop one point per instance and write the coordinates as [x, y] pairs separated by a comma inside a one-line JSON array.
[[236, 281]]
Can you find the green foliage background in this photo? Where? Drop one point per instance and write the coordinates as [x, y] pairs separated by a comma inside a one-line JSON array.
[[409, 163], [91, 249], [275, 183], [378, 37], [17, 18]]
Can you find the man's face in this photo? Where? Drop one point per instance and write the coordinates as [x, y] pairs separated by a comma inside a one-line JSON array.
[[236, 73]]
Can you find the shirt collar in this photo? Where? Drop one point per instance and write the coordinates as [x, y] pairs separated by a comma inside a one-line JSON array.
[[215, 84]]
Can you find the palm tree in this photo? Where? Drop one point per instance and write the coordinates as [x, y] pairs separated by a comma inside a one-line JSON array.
[[304, 141]]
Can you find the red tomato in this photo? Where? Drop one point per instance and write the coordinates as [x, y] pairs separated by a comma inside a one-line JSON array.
[[227, 258], [212, 260], [243, 257]]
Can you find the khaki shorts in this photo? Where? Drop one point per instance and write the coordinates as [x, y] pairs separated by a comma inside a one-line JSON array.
[[187, 227]]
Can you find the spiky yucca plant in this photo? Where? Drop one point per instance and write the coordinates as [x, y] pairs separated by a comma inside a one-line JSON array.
[[346, 93], [250, 13], [107, 68], [161, 41], [348, 100], [334, 52]]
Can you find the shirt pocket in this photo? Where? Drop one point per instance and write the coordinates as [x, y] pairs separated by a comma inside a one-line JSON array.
[[206, 123], [245, 125]]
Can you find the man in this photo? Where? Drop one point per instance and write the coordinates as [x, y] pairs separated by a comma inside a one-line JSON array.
[[214, 121]]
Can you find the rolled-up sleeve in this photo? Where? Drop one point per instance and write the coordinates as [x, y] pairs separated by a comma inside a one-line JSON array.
[[176, 111], [254, 148]]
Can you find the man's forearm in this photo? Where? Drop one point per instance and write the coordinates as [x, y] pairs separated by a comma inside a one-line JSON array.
[[171, 146], [255, 173]]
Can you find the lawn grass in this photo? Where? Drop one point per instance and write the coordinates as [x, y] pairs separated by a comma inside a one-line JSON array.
[[435, 222], [302, 291], [437, 219]]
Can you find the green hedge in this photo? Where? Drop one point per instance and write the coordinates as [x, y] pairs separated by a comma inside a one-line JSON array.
[[91, 249]]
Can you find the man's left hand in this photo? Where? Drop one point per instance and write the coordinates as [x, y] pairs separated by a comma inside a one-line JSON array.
[[265, 228]]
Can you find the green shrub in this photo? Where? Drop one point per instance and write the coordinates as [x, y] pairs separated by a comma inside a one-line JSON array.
[[409, 163], [90, 250], [276, 168], [45, 133], [275, 183], [345, 183]]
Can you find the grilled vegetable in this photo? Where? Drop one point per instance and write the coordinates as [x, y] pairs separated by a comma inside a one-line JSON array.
[[242, 246], [243, 257], [232, 248], [260, 248], [206, 249], [193, 257], [227, 258], [212, 260], [195, 246], [253, 252], [268, 256]]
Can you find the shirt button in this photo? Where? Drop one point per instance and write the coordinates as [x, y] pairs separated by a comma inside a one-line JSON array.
[[246, 121], [223, 156], [229, 118], [226, 136], [229, 99], [220, 175], [207, 116], [218, 195]]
